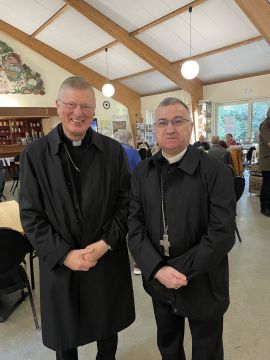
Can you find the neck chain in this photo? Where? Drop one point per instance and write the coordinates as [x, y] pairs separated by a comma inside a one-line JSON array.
[[165, 226], [72, 162]]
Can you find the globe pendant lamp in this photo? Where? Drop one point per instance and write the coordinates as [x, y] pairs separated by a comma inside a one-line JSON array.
[[107, 89], [190, 68]]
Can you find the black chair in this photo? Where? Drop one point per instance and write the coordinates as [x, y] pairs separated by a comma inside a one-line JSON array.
[[13, 170], [249, 155], [13, 278], [2, 183], [239, 187]]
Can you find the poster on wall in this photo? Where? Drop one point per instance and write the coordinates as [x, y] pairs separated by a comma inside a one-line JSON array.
[[16, 77], [117, 125], [106, 127]]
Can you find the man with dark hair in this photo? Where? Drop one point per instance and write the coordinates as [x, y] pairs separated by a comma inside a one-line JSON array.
[[73, 203], [181, 228]]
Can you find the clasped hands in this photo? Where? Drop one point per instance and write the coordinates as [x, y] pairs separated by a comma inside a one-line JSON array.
[[171, 278], [87, 258]]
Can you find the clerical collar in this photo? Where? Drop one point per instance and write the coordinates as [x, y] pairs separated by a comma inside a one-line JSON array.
[[69, 142], [176, 158], [77, 143]]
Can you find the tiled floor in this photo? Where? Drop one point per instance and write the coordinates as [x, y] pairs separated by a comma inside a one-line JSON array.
[[247, 322]]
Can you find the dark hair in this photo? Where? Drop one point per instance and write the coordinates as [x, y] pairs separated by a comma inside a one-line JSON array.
[[223, 144], [172, 101]]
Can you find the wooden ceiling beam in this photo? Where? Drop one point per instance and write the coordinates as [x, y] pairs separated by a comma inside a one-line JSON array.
[[50, 20], [92, 53], [123, 94], [135, 45], [258, 12], [167, 17], [219, 50]]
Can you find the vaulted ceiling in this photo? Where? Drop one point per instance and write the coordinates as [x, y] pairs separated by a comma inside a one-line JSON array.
[[147, 40]]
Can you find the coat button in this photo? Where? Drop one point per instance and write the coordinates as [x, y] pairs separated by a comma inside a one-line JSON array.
[[169, 302], [175, 311]]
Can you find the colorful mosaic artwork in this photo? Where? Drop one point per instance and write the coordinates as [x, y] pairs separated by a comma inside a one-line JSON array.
[[16, 77]]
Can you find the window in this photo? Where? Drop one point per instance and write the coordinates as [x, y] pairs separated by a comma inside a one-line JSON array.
[[259, 110], [233, 119], [242, 120]]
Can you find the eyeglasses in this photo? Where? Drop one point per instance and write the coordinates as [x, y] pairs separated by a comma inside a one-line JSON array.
[[177, 121], [72, 106]]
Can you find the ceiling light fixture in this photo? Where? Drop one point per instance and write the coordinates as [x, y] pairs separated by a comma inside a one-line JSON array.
[[190, 68], [107, 89]]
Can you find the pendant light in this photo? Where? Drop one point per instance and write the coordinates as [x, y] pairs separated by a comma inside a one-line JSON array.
[[190, 68], [107, 89]]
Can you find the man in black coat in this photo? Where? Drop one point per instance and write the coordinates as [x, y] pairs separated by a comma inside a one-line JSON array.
[[202, 144], [74, 203], [181, 228]]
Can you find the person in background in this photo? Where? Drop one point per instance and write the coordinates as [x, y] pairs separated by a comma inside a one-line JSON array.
[[144, 149], [125, 138], [219, 152], [73, 204], [181, 228], [230, 140], [264, 164], [155, 149], [202, 143]]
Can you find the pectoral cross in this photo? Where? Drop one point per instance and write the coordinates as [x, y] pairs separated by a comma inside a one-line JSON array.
[[166, 244]]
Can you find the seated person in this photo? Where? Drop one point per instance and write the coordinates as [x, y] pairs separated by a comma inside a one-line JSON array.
[[144, 149], [230, 140], [202, 143], [218, 151]]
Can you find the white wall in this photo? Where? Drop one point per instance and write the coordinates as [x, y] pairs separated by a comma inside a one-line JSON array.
[[150, 103], [244, 89]]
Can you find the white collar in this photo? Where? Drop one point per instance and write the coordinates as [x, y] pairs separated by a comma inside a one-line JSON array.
[[175, 158]]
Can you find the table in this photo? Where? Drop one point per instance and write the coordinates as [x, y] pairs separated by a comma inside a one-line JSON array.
[[10, 217]]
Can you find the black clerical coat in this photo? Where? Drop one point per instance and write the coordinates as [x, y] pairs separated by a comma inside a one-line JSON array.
[[199, 204], [78, 307]]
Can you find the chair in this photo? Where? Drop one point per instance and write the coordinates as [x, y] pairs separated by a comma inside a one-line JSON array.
[[2, 183], [13, 170], [13, 278], [239, 187]]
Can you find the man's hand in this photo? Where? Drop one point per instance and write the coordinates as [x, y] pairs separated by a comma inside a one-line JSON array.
[[77, 260], [171, 278], [99, 248]]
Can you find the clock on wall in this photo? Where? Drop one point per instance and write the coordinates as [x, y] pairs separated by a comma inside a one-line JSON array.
[[106, 104]]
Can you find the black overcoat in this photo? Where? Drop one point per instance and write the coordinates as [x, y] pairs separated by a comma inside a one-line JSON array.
[[78, 307], [200, 211]]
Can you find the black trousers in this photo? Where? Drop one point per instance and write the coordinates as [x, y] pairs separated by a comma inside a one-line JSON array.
[[106, 350], [265, 191], [206, 335]]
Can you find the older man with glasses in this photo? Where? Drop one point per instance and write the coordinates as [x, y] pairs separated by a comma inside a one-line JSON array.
[[74, 203], [181, 228]]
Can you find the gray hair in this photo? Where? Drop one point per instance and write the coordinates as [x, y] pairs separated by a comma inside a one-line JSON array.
[[172, 101], [75, 82], [123, 137], [215, 140]]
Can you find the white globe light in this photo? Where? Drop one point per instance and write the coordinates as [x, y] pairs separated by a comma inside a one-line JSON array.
[[108, 90], [190, 69]]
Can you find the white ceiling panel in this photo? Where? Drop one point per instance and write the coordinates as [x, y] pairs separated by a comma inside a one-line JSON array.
[[210, 30], [28, 15], [248, 59], [121, 62], [150, 83], [131, 14], [74, 35]]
